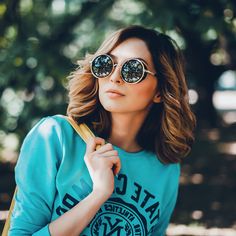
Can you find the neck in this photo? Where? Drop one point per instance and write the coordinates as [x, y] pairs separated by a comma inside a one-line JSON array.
[[125, 129]]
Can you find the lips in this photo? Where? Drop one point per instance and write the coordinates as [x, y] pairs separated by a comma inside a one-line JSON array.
[[113, 91]]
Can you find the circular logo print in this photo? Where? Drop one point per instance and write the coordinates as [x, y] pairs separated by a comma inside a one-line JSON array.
[[118, 218]]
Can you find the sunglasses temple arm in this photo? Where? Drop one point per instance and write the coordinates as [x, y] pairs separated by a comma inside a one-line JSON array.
[[84, 73], [148, 71]]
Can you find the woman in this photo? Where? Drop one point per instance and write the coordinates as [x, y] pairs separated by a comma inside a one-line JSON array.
[[132, 93]]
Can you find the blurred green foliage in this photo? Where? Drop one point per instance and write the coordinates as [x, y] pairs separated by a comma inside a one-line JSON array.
[[40, 42]]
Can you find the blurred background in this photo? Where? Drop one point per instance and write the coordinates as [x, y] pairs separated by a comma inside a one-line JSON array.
[[40, 42]]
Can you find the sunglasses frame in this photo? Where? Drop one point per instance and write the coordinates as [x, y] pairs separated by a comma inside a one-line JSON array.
[[121, 66]]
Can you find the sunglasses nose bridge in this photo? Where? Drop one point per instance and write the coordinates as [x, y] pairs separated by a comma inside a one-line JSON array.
[[115, 76]]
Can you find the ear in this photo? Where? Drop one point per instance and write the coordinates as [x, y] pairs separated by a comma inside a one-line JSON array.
[[157, 98]]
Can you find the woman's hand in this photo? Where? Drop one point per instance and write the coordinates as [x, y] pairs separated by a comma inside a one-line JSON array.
[[102, 165]]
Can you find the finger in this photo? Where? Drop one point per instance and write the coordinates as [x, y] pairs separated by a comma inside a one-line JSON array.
[[116, 169], [116, 164], [98, 146], [105, 148], [93, 142], [109, 153]]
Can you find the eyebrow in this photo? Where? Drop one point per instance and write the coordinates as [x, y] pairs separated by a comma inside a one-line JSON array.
[[139, 58]]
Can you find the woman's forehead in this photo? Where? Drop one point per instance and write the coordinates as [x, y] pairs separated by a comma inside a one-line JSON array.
[[131, 48]]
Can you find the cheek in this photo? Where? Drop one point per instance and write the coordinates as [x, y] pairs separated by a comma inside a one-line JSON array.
[[145, 92], [101, 94], [100, 87]]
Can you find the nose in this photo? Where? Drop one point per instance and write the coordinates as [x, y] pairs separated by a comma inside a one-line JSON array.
[[115, 77]]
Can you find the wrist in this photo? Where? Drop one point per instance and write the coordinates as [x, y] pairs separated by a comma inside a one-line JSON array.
[[100, 195]]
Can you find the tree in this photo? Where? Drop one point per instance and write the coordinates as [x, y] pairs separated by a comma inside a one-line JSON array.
[[40, 42]]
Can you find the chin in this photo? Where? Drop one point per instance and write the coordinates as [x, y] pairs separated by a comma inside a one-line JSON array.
[[113, 108]]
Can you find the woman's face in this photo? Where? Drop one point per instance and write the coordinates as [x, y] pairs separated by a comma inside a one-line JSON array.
[[115, 95]]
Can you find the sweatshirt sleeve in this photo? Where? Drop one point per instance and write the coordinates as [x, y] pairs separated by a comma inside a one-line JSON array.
[[35, 175], [161, 230], [167, 211]]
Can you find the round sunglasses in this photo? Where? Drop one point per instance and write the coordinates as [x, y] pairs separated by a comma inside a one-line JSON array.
[[132, 71]]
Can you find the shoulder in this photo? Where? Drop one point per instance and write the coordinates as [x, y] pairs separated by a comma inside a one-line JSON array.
[[44, 143], [170, 174], [171, 169], [50, 125], [55, 121], [174, 168], [51, 129], [174, 171]]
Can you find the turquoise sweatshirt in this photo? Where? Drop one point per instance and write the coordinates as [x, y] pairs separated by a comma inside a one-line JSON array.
[[52, 178]]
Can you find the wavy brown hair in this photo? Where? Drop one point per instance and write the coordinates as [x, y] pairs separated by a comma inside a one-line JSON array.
[[168, 128]]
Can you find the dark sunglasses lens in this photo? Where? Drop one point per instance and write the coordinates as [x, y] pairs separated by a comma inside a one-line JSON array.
[[132, 71], [102, 66]]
